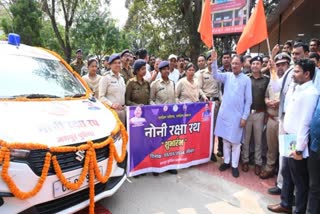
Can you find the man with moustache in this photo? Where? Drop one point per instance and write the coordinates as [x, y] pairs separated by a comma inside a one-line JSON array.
[[272, 100], [285, 85], [255, 122], [180, 65], [234, 110], [299, 112], [126, 70]]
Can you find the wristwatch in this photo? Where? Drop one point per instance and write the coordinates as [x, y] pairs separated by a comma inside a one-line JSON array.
[[298, 152]]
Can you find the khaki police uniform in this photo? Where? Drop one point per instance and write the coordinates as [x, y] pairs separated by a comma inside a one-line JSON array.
[[112, 89], [77, 65], [255, 121], [162, 92], [127, 73], [137, 93], [187, 92], [211, 89]]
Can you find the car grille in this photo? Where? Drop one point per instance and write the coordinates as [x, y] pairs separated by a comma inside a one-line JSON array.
[[63, 203], [67, 160]]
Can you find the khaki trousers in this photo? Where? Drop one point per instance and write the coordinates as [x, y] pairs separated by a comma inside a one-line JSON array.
[[254, 125], [272, 142]]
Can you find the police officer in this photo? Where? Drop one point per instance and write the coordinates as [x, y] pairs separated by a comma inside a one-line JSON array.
[[211, 89], [138, 89], [106, 66], [272, 100], [162, 89], [255, 120], [126, 70], [78, 63], [112, 87]]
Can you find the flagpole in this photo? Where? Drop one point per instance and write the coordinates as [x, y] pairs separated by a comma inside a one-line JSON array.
[[269, 49]]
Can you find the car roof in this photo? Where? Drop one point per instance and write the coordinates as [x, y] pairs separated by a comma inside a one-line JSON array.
[[24, 50]]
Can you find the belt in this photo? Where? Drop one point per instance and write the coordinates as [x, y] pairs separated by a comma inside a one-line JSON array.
[[253, 111], [275, 118]]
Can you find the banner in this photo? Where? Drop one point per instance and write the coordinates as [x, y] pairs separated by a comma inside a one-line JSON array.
[[164, 137], [229, 16]]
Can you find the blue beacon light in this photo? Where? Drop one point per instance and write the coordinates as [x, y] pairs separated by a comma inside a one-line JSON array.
[[14, 39]]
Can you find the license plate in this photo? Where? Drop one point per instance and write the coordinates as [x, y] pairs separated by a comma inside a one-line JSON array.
[[59, 189]]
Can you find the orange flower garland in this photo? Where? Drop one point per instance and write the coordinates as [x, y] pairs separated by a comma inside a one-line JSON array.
[[12, 186], [90, 164]]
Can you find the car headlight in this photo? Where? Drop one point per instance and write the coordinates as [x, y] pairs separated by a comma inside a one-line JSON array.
[[19, 154]]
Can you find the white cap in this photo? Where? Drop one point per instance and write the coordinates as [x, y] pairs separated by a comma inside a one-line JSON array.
[[172, 56]]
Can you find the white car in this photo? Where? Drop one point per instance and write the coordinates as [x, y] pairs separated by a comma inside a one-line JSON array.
[[43, 102]]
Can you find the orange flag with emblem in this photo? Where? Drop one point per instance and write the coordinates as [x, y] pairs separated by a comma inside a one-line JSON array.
[[255, 30], [205, 25]]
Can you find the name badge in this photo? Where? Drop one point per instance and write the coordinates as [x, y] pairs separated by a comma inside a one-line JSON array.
[[113, 82]]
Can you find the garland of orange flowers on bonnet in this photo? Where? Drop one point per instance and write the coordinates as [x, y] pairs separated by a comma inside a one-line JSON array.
[[90, 163]]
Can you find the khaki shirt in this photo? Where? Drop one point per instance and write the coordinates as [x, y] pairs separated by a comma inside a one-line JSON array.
[[77, 65], [271, 95], [137, 93], [259, 87], [209, 86], [162, 92], [112, 89], [187, 92], [127, 74]]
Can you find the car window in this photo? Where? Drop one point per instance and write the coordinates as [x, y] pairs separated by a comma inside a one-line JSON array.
[[24, 75]]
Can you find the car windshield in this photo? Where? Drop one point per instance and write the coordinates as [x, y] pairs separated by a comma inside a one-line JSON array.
[[24, 76]]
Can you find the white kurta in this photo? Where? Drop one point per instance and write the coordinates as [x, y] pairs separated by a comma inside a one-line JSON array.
[[236, 103]]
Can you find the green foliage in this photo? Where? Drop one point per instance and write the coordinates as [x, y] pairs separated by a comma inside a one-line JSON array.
[[26, 21], [165, 26], [96, 33], [49, 39], [157, 25]]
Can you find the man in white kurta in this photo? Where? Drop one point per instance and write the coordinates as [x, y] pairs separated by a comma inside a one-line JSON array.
[[234, 111]]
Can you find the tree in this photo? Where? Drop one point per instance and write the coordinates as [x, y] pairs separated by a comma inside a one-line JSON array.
[[95, 32], [51, 8], [48, 37], [25, 21]]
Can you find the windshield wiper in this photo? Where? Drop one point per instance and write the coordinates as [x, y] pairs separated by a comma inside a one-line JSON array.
[[34, 96], [77, 95]]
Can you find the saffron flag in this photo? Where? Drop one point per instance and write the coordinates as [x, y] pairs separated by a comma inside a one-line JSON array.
[[255, 31], [205, 25]]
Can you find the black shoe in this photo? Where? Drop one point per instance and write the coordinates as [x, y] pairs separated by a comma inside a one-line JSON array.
[[235, 172], [224, 167], [173, 171], [274, 191], [155, 174], [219, 154], [136, 176], [213, 158]]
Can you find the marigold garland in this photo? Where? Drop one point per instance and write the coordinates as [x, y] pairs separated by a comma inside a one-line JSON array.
[[12, 186], [90, 164]]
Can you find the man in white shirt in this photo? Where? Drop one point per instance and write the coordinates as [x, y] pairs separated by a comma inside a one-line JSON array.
[[299, 111], [174, 72], [285, 86]]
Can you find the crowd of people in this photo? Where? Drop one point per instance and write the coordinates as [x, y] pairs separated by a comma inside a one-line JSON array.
[[277, 95]]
